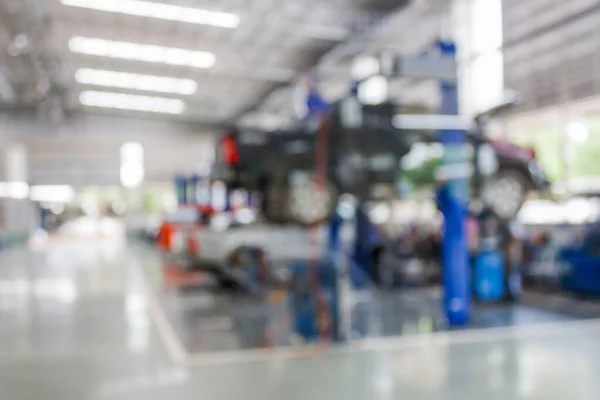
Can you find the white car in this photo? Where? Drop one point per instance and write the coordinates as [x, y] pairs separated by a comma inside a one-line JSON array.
[[280, 243]]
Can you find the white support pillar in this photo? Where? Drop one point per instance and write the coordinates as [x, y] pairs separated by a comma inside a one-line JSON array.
[[19, 213], [478, 33]]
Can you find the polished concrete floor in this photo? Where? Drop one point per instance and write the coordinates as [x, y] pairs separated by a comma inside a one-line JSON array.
[[86, 321]]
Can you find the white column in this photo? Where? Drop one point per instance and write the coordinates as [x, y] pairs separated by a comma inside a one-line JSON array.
[[477, 28], [19, 212]]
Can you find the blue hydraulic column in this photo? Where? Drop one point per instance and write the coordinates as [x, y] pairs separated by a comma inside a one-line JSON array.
[[452, 200]]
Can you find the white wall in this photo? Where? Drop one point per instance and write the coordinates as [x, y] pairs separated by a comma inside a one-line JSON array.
[[85, 150]]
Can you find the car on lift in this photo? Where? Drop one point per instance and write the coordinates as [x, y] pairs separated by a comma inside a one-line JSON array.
[[356, 149], [518, 171]]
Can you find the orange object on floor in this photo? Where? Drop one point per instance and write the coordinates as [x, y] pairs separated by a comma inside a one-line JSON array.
[[164, 239]]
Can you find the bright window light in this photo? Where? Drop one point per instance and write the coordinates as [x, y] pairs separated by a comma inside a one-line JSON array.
[[132, 152], [578, 132], [132, 164], [131, 102], [141, 52], [14, 190], [132, 175], [160, 11], [52, 193], [126, 80]]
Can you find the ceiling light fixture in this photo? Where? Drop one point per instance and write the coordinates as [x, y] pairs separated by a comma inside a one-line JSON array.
[[126, 80], [160, 11], [123, 101], [141, 52]]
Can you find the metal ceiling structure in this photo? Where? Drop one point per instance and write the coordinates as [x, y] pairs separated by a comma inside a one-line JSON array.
[[256, 61], [552, 51]]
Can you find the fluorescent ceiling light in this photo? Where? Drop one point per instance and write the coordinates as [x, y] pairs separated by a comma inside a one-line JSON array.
[[160, 11], [132, 102], [126, 80], [141, 52]]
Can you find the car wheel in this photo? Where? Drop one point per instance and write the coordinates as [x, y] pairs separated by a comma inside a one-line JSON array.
[[310, 202], [505, 193]]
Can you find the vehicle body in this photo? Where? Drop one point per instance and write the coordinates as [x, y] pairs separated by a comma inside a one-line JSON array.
[[354, 156], [301, 172], [518, 171], [281, 244]]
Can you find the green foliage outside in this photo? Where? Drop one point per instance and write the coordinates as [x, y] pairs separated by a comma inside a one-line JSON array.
[[424, 175], [549, 143]]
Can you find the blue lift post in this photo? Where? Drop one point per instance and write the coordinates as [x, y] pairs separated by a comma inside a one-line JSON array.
[[452, 195], [453, 200]]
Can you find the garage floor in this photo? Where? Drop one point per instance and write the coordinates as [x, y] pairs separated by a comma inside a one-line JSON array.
[[86, 321]]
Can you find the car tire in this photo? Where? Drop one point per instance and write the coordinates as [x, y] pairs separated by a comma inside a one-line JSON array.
[[311, 203], [299, 202], [505, 193]]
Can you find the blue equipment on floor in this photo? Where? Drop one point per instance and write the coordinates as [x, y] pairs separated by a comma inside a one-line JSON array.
[[489, 275], [582, 265], [583, 274]]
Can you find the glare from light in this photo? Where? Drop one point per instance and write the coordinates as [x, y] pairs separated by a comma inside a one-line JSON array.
[[52, 193], [219, 196], [14, 190], [374, 90], [347, 206], [220, 222], [123, 101], [346, 210], [364, 67], [238, 198], [132, 152], [126, 80], [578, 132], [132, 174], [380, 213], [160, 11], [245, 216], [141, 52], [57, 208]]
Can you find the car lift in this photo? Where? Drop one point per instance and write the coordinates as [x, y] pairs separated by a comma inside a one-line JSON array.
[[438, 63]]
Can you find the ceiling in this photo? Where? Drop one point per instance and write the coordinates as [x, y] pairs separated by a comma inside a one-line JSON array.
[[255, 63]]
